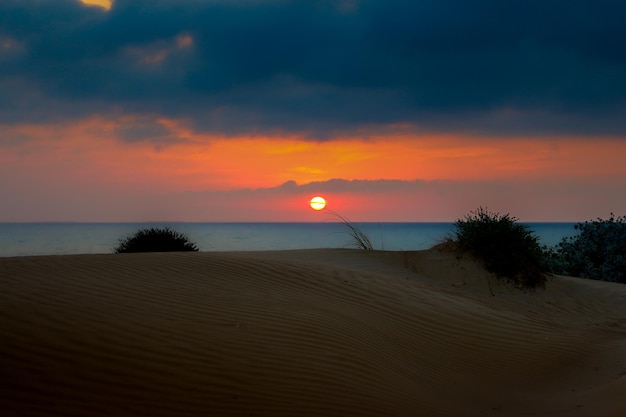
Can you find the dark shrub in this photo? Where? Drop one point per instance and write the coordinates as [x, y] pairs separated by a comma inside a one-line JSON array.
[[507, 248], [156, 240], [597, 252]]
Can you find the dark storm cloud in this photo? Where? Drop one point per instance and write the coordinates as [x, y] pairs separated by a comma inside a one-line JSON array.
[[137, 130], [515, 67]]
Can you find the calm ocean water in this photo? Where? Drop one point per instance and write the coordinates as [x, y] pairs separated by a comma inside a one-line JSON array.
[[23, 239]]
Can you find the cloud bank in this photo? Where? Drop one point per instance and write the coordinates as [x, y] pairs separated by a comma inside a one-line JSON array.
[[320, 67], [397, 200]]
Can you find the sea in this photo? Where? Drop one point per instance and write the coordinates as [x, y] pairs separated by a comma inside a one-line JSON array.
[[34, 239]]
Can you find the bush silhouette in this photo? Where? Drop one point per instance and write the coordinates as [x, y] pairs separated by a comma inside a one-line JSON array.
[[507, 248], [597, 252], [156, 240]]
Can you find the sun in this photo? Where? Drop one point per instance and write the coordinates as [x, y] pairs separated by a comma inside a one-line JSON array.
[[317, 203]]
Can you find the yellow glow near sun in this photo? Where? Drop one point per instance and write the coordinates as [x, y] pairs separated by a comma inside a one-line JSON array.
[[105, 4], [317, 203]]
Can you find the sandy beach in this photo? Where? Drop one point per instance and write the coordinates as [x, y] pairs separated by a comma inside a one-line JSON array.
[[303, 333]]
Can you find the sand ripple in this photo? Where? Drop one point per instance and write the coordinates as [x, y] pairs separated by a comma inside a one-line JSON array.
[[303, 333]]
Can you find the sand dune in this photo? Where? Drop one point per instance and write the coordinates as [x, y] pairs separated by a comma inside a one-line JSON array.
[[303, 333]]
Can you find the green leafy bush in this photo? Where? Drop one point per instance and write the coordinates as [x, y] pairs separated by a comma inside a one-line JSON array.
[[507, 248], [156, 240], [597, 252]]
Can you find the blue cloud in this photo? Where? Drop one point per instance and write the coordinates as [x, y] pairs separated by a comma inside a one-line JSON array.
[[518, 67]]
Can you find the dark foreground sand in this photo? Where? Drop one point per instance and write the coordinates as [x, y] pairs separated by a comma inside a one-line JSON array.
[[303, 333]]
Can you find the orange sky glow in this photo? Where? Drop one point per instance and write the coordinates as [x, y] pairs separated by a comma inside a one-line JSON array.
[[242, 111], [89, 159], [105, 4]]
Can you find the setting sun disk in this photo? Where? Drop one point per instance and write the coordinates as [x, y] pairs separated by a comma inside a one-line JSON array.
[[317, 203]]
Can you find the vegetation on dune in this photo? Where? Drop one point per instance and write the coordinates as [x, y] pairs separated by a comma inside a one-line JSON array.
[[360, 240], [156, 240], [597, 252], [511, 250], [507, 248]]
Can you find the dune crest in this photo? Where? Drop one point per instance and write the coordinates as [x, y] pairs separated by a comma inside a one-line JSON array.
[[306, 333]]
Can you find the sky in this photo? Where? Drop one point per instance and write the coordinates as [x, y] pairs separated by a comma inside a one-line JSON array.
[[243, 110]]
